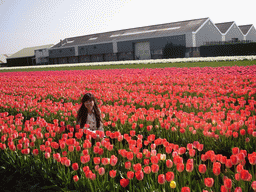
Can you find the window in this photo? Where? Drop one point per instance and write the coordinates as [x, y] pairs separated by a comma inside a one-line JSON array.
[[93, 38]]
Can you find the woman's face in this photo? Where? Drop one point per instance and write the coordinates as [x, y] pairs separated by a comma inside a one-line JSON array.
[[89, 105]]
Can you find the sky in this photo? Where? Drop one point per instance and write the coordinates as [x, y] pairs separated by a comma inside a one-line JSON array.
[[29, 23]]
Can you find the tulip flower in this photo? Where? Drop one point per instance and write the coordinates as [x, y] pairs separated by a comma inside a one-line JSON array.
[[169, 163], [185, 189], [180, 167], [75, 178], [130, 175], [161, 179], [129, 156], [208, 182], [253, 185], [139, 175], [124, 182], [189, 167], [154, 168], [75, 166], [112, 173], [147, 170], [169, 176], [96, 160], [173, 184], [47, 155], [113, 160], [202, 168], [137, 167], [101, 171]]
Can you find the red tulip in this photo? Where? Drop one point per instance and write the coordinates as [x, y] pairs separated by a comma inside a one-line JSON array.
[[137, 167], [169, 176], [112, 173], [238, 189], [47, 155], [192, 152], [237, 176], [67, 162], [75, 178], [101, 171], [208, 182], [154, 168], [181, 150], [75, 166], [147, 170], [202, 168], [113, 160], [85, 159], [253, 185], [127, 165], [216, 170], [161, 179], [139, 155], [96, 160], [169, 163], [228, 163], [35, 151], [185, 189], [252, 160], [235, 150], [180, 167], [124, 182], [105, 161], [146, 161], [129, 156], [154, 159], [234, 159], [189, 167], [139, 175], [130, 174], [228, 183]]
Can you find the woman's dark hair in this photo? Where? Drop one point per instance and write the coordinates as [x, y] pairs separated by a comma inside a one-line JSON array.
[[83, 112]]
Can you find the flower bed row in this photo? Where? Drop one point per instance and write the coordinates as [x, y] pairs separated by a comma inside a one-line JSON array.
[[166, 129]]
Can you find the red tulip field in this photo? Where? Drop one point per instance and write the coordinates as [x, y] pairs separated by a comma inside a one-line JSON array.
[[165, 129]]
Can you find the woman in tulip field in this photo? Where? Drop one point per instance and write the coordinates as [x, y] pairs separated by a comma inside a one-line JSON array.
[[89, 115], [172, 129]]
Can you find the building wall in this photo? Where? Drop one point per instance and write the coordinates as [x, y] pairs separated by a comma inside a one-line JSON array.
[[234, 32], [155, 43], [63, 60], [207, 33], [95, 49], [111, 57], [62, 52], [73, 59], [24, 61], [84, 58], [122, 56], [97, 58], [251, 35]]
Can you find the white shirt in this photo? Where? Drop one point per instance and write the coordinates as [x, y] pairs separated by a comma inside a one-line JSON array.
[[91, 121]]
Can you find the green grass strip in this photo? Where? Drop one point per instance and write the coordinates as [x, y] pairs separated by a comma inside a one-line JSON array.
[[140, 66]]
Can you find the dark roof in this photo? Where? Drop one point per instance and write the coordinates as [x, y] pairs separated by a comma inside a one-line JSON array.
[[180, 27], [245, 28], [223, 27]]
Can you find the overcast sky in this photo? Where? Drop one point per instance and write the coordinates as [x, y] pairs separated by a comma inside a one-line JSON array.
[[28, 23]]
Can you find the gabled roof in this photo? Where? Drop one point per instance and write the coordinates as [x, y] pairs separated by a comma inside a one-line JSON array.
[[3, 58], [245, 28], [133, 33], [223, 27], [29, 51]]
